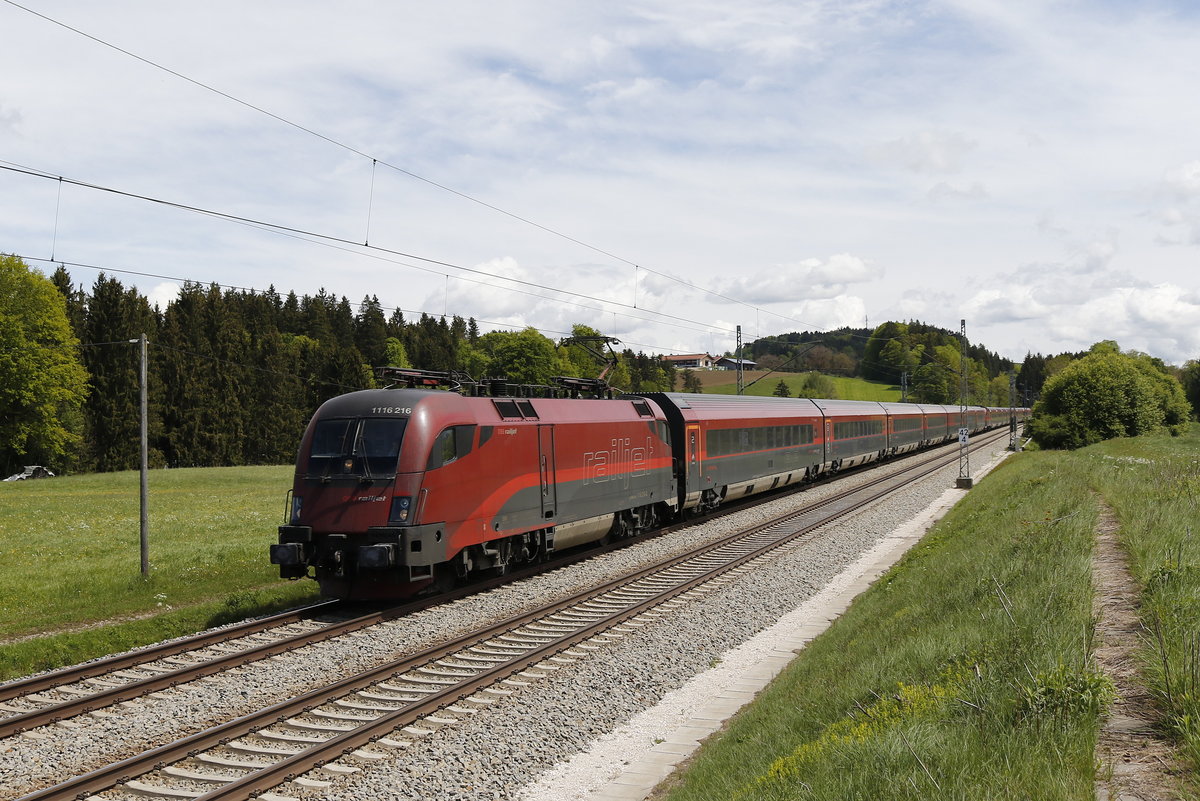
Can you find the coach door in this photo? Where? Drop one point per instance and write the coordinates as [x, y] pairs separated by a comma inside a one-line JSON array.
[[546, 471], [693, 457]]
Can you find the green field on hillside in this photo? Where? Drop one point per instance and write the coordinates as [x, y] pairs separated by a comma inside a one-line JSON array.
[[847, 388], [70, 550], [966, 672]]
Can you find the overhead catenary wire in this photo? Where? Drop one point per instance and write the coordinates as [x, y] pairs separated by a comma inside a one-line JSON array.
[[315, 235], [375, 160], [705, 329]]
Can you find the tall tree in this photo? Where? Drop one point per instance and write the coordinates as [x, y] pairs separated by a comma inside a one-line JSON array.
[[873, 365], [184, 375], [1190, 377], [115, 317], [75, 297], [370, 331], [42, 383], [524, 357], [291, 318], [224, 406], [274, 429]]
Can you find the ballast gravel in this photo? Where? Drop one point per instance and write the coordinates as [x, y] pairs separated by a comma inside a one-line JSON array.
[[496, 752]]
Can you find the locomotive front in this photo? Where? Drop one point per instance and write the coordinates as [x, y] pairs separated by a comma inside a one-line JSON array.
[[354, 496]]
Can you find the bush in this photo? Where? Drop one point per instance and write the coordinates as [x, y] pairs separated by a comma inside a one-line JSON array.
[[1107, 394]]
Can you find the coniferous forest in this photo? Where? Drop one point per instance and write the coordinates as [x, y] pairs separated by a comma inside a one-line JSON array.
[[234, 375]]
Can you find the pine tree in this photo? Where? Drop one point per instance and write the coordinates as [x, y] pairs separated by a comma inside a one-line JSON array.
[[370, 331], [184, 378]]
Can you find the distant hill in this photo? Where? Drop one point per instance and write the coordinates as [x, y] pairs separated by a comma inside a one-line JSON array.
[[724, 382]]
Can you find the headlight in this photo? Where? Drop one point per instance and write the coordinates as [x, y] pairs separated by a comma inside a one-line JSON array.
[[297, 503], [401, 506]]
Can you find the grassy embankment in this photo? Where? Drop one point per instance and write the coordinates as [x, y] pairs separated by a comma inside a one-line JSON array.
[[70, 555], [1153, 484], [966, 671], [724, 382]]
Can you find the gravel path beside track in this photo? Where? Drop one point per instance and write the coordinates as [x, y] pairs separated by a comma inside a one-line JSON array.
[[497, 752]]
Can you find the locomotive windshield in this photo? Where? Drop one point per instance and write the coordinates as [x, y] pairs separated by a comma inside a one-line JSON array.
[[366, 447]]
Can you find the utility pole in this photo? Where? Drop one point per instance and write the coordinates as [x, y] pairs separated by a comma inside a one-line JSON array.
[[145, 514], [737, 355], [1014, 441], [964, 433], [904, 387]]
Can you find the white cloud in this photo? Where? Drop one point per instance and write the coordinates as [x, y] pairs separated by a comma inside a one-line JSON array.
[[1184, 180], [1163, 320], [10, 119], [1003, 305], [1179, 190], [809, 278], [162, 294], [927, 152], [827, 313], [946, 191]]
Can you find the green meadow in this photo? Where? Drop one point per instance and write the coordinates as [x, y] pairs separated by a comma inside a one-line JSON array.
[[72, 587]]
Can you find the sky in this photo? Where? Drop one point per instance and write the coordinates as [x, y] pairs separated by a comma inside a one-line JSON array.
[[662, 171]]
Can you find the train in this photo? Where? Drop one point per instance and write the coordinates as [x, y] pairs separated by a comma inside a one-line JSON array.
[[402, 491]]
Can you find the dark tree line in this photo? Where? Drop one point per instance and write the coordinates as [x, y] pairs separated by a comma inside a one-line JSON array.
[[235, 375], [839, 351]]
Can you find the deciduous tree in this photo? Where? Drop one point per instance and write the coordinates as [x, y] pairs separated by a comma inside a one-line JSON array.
[[42, 383]]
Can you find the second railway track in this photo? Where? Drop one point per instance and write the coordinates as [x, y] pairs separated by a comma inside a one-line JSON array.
[[259, 752], [62, 694]]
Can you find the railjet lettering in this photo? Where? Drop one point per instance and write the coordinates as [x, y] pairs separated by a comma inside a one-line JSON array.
[[621, 462]]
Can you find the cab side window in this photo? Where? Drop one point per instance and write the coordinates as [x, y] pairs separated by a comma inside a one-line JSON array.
[[452, 444]]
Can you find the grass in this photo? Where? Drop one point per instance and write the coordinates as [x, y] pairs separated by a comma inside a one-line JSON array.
[[725, 383], [70, 550], [1153, 485], [964, 673]]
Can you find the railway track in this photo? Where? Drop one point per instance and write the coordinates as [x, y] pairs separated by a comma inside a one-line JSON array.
[[391, 705], [63, 694]]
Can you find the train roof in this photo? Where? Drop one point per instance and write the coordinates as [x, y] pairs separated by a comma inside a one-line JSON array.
[[750, 406], [354, 404], [733, 407], [849, 408], [486, 409]]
